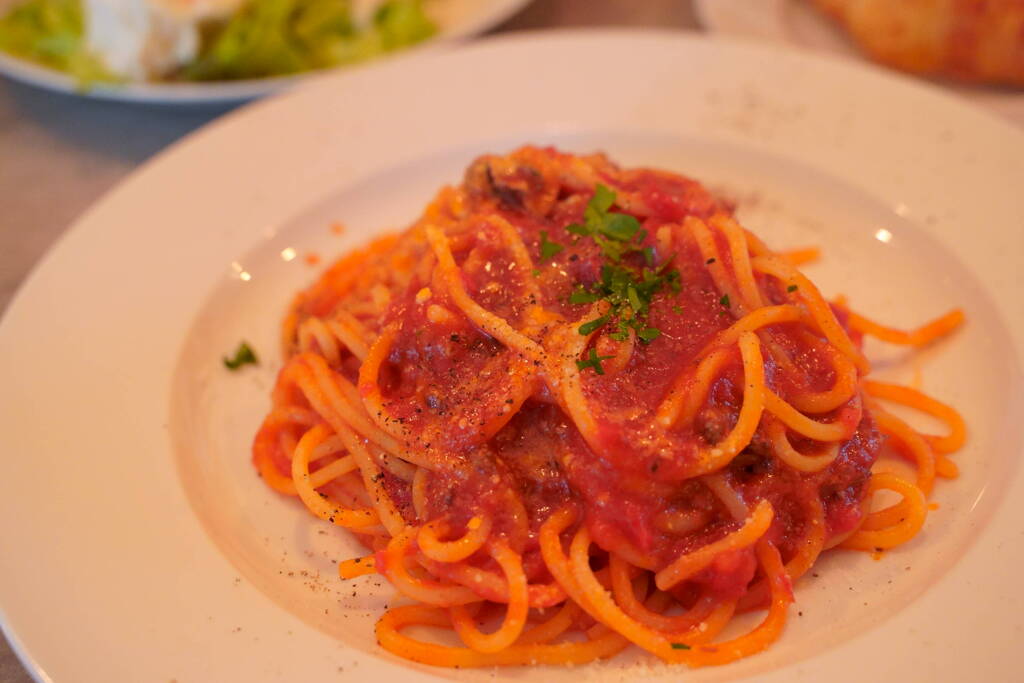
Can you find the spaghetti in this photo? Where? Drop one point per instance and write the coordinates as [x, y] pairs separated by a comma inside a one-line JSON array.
[[575, 407]]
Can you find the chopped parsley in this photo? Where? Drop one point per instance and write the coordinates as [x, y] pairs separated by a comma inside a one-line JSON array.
[[627, 286], [244, 355], [592, 361], [535, 272], [791, 288], [649, 334], [680, 646], [581, 296], [548, 249], [724, 300], [596, 324]]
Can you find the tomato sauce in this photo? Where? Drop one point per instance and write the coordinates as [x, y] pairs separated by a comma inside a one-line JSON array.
[[451, 390]]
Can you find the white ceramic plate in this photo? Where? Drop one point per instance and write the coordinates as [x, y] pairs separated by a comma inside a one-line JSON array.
[[798, 23], [456, 20], [139, 545]]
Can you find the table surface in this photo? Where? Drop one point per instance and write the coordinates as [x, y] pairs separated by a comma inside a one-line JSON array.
[[59, 153]]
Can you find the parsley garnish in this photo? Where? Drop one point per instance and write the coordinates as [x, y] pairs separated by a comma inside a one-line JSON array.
[[627, 287], [791, 288], [595, 324], [649, 334], [680, 646], [535, 272], [243, 356], [581, 296], [613, 232], [724, 300], [593, 361], [548, 249]]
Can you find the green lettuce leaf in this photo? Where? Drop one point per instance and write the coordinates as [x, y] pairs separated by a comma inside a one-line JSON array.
[[257, 41], [263, 38], [50, 32], [278, 37]]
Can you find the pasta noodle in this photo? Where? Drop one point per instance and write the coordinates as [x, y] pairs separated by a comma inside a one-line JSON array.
[[576, 407]]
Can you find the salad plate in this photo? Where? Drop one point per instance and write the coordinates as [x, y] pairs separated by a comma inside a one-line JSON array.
[[139, 543], [453, 20]]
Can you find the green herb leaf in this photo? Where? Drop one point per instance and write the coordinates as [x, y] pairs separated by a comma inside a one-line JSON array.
[[629, 288], [674, 280], [680, 646], [649, 334], [634, 298], [622, 334], [548, 249], [724, 300], [620, 226], [593, 325], [791, 288], [243, 355], [603, 198], [535, 272], [592, 361], [581, 296], [664, 267]]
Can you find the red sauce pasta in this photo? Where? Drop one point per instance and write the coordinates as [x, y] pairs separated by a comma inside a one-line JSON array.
[[576, 406]]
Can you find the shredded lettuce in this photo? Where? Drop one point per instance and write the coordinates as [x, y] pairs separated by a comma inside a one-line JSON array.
[[402, 22], [264, 38], [50, 32], [277, 37]]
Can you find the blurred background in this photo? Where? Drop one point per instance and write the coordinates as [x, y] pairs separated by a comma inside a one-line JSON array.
[[59, 152]]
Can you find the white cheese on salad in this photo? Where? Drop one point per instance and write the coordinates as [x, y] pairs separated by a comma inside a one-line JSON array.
[[144, 39]]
